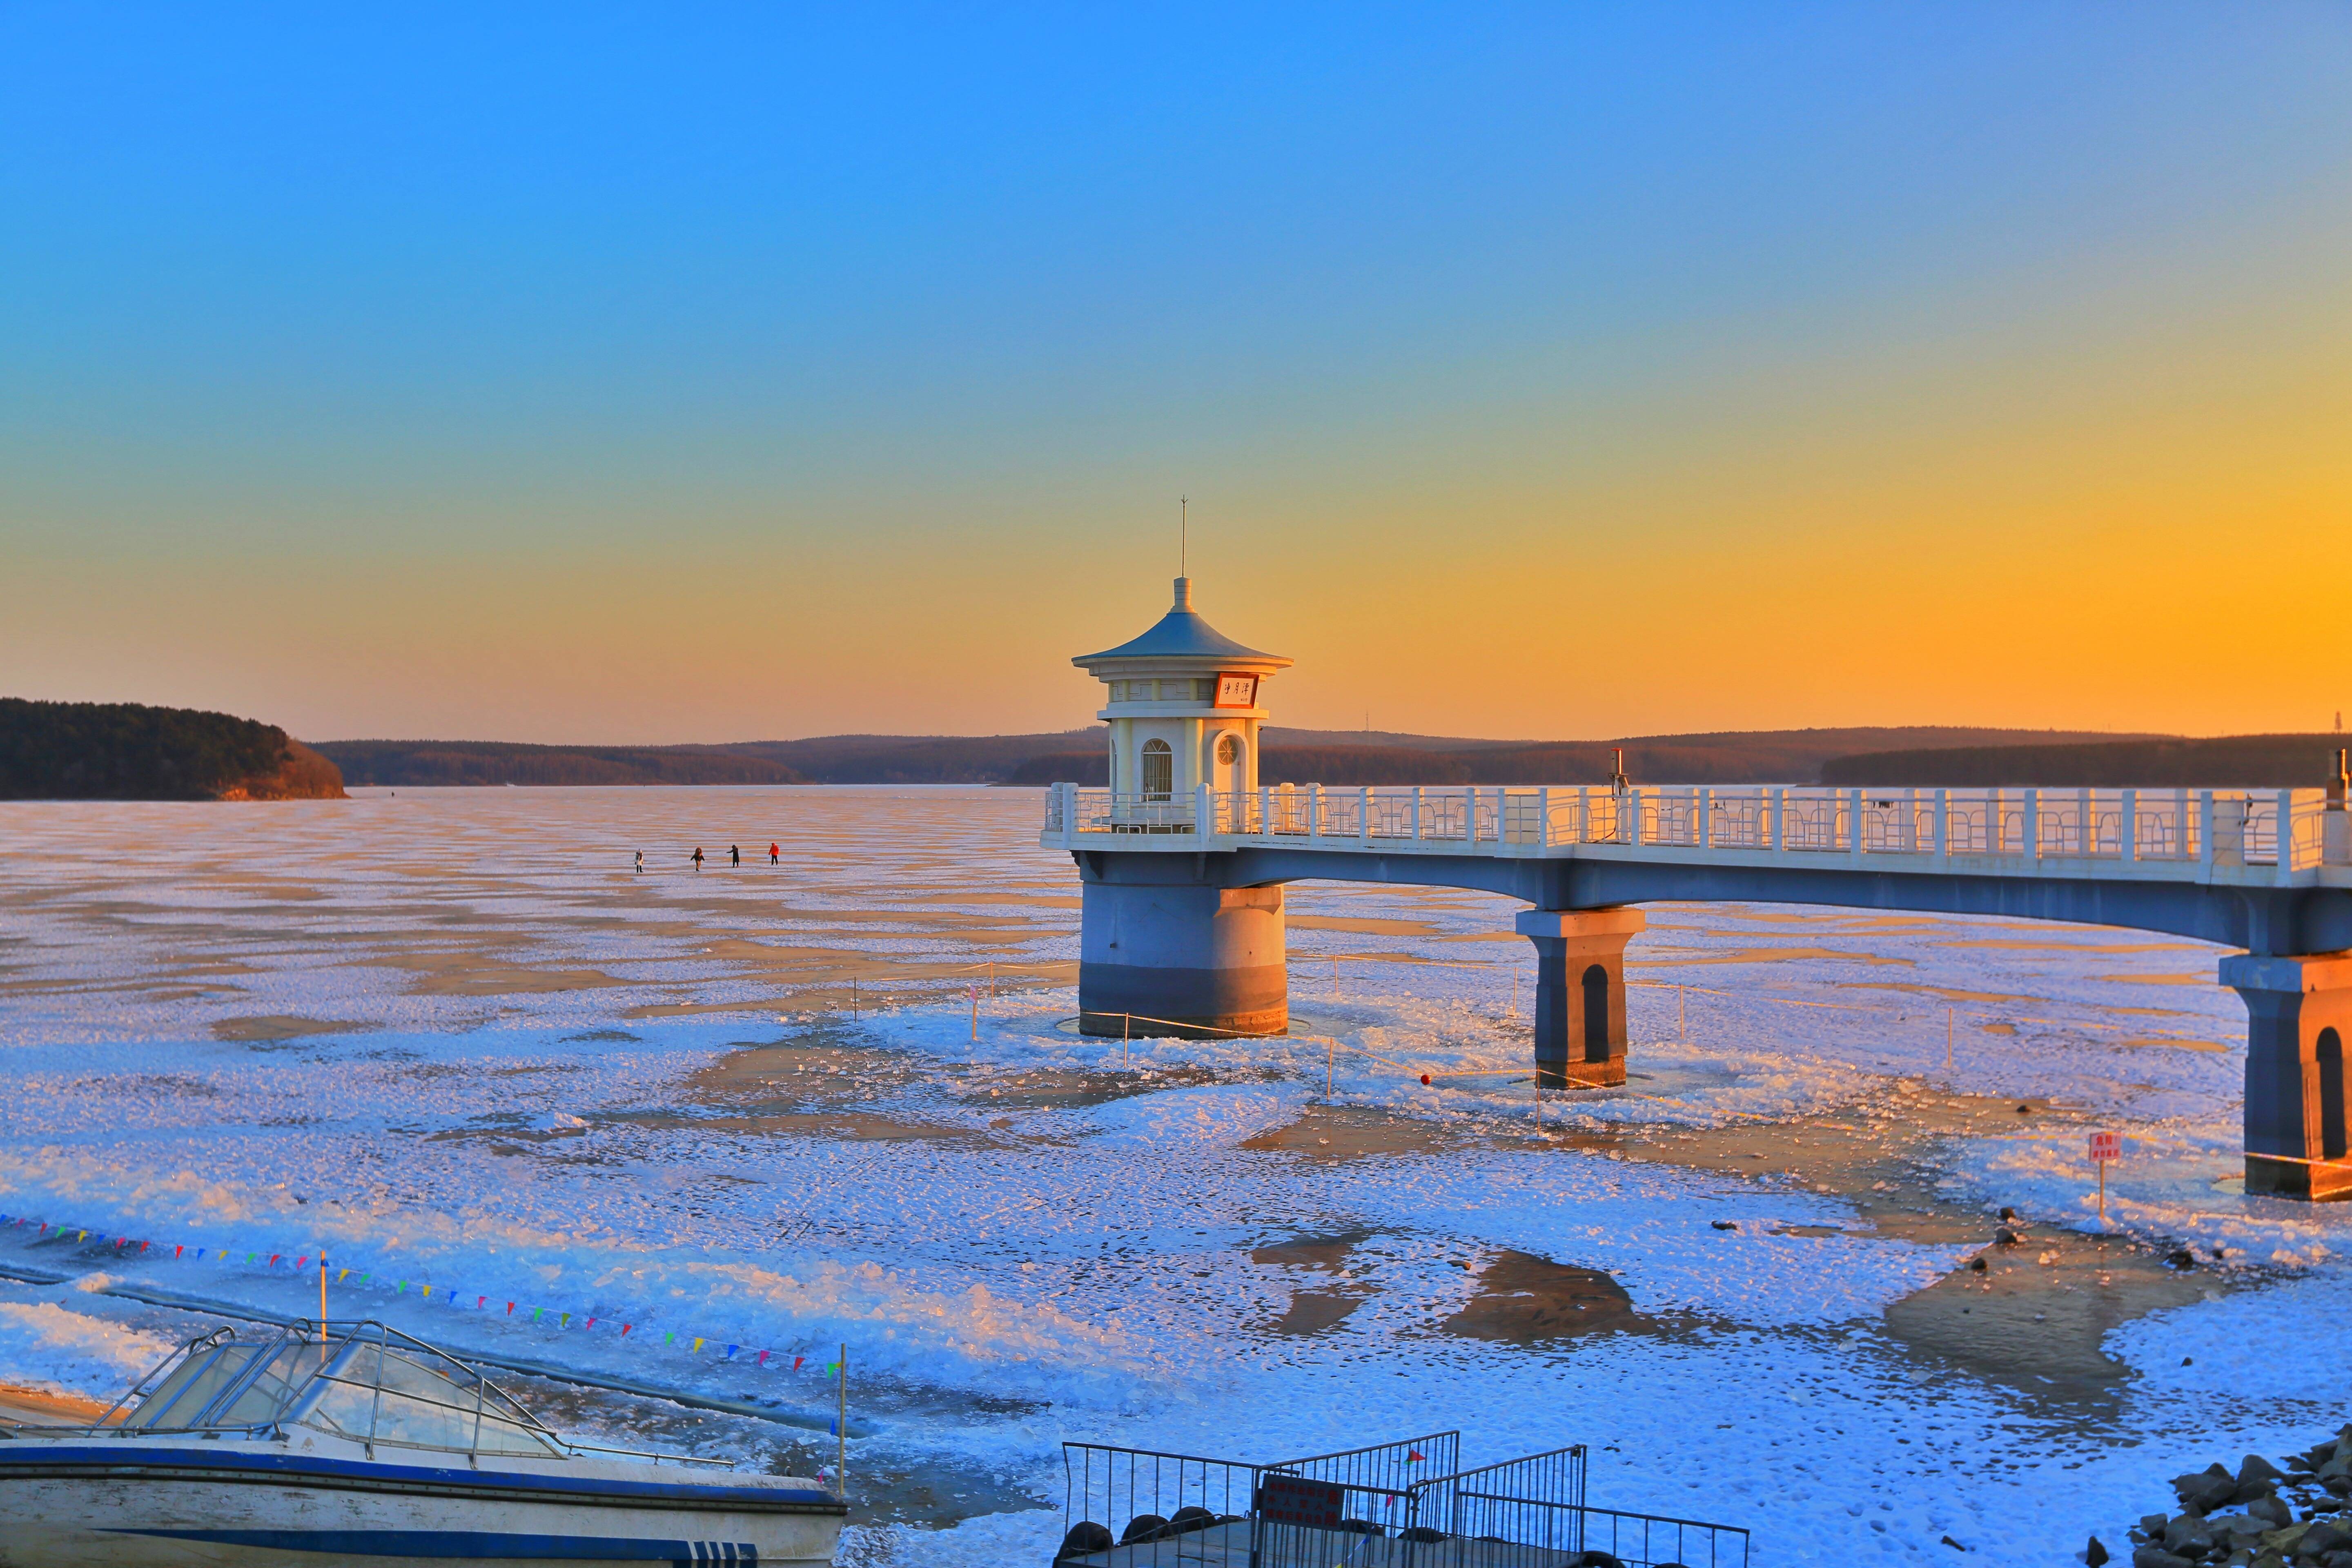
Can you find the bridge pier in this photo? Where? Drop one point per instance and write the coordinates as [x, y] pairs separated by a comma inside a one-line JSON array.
[[1580, 993], [2299, 1019], [1161, 952]]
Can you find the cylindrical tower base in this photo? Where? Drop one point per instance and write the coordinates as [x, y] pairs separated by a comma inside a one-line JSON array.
[[1181, 959]]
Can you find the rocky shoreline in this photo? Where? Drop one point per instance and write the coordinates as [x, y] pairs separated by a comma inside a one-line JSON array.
[[2261, 1516]]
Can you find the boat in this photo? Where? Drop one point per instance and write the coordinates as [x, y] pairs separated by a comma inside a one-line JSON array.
[[354, 1443]]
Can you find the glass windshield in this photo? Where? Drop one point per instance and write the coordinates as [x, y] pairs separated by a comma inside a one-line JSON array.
[[193, 1385], [266, 1397], [369, 1384], [416, 1398]]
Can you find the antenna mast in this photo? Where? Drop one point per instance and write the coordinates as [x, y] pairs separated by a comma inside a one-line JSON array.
[[1183, 534]]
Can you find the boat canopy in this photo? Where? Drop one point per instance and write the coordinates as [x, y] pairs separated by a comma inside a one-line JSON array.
[[360, 1380]]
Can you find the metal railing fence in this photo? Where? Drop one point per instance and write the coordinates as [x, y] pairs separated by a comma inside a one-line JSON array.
[[1394, 1505], [2287, 830]]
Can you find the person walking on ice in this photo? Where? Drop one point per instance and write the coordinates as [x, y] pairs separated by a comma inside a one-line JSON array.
[[698, 857], [735, 855], [772, 854], [641, 860]]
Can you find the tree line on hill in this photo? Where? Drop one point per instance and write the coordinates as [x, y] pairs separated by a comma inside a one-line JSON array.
[[126, 750]]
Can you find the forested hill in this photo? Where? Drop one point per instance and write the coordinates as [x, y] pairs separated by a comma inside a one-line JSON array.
[[1758, 756], [423, 763], [2221, 762], [1302, 756], [126, 750]]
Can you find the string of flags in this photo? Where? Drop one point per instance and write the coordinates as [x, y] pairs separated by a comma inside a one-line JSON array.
[[628, 1332]]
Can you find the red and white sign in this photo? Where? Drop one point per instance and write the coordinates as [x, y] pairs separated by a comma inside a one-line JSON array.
[[1237, 691], [2106, 1146]]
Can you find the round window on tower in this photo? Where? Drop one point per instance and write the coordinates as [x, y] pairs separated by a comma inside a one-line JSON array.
[[1229, 749]]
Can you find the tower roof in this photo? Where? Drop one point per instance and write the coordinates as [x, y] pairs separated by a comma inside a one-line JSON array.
[[1182, 634]]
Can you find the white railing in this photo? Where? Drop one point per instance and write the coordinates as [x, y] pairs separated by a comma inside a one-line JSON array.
[[2000, 829]]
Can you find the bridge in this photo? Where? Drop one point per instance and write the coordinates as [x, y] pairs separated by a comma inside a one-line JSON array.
[[1184, 856], [1183, 914]]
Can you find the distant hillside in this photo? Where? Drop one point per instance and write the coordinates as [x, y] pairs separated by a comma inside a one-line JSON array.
[[911, 759], [425, 763], [1312, 756], [126, 750], [2237, 761], [1301, 756]]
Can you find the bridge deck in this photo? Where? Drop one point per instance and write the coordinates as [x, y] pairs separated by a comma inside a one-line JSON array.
[[2219, 838]]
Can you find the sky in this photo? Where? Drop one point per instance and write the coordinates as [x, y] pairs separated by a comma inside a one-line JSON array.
[[664, 375]]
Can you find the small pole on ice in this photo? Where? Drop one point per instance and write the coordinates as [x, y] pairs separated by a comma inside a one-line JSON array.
[[841, 1426], [1682, 1035], [2105, 1147], [975, 1015], [1329, 1047], [322, 1298], [1126, 1027], [1950, 1014], [853, 998]]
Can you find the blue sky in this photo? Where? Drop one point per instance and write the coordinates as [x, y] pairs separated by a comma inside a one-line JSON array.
[[491, 333]]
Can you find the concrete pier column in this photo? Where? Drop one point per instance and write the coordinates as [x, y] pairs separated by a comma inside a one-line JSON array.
[[1206, 962], [1580, 992], [2298, 1023]]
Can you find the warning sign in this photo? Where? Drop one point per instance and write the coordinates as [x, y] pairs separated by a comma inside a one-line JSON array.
[[2106, 1146], [1295, 1500]]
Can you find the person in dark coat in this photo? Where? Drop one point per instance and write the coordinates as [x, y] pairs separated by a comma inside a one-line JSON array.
[[735, 855], [698, 857]]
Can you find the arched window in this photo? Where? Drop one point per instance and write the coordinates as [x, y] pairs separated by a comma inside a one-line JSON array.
[[1596, 1014], [1159, 770], [2331, 1095]]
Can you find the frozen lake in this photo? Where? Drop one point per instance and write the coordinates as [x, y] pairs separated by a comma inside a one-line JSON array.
[[455, 1039]]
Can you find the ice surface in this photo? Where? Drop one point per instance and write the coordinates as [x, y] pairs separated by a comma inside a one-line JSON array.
[[451, 1039]]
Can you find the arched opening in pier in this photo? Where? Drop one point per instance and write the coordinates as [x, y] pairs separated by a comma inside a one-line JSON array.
[[1596, 1014], [1159, 770], [2331, 1095]]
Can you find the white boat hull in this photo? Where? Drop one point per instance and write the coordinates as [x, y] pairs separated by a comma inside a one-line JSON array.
[[232, 1504]]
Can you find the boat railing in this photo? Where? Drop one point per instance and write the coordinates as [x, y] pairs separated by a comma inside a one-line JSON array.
[[360, 1379]]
